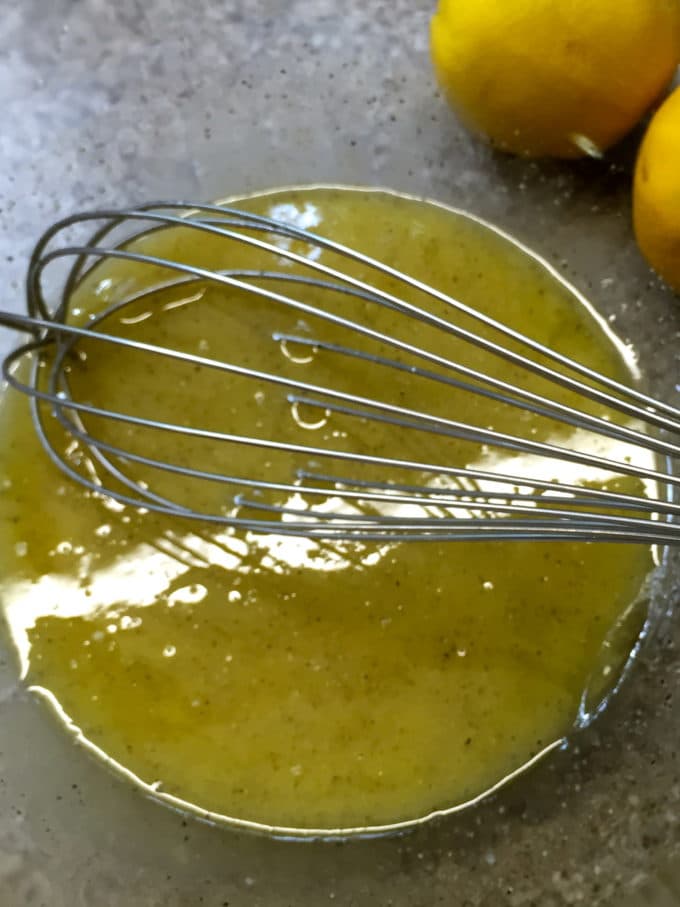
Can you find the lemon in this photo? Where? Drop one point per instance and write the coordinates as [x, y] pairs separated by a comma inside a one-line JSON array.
[[549, 77], [656, 192]]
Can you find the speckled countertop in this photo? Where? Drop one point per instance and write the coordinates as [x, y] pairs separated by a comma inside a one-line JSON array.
[[113, 102]]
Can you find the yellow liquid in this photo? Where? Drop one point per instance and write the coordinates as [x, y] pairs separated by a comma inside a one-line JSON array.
[[296, 683]]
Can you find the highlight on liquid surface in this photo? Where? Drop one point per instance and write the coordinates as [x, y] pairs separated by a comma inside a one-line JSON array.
[[297, 683]]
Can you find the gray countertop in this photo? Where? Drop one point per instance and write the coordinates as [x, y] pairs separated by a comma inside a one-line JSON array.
[[113, 102]]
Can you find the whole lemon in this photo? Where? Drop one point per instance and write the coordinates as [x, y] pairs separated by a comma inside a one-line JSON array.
[[554, 77], [656, 192]]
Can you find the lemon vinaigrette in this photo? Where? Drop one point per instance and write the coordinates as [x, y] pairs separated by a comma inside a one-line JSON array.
[[295, 683]]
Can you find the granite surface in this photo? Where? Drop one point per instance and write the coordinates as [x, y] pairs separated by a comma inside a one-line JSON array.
[[114, 102]]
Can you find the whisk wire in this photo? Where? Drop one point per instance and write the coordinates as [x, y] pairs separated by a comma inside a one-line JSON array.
[[268, 225], [475, 504], [398, 416]]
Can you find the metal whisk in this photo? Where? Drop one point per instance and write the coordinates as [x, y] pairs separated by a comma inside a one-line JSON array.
[[333, 492]]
